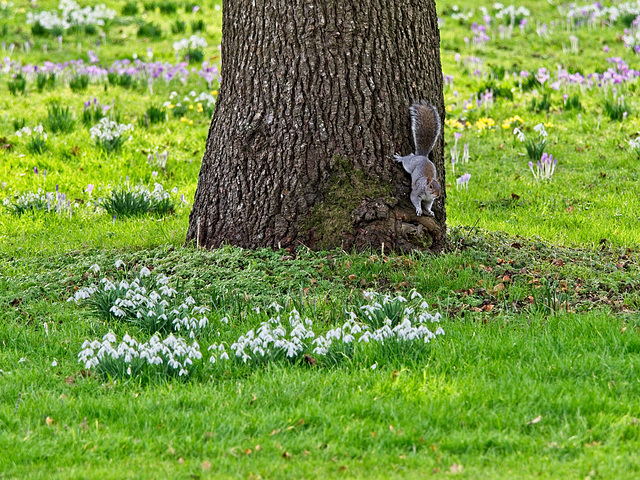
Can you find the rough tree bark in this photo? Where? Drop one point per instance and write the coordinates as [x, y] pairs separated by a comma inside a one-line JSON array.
[[312, 107]]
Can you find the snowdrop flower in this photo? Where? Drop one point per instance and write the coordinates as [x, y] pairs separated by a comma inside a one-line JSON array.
[[519, 134], [540, 129], [120, 263], [144, 272]]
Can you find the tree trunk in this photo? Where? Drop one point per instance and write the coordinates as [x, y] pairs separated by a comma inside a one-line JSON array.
[[314, 102]]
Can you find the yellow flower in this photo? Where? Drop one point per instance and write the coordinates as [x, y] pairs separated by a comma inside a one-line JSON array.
[[190, 122], [170, 106], [548, 125], [190, 107], [214, 92], [470, 106], [184, 119], [453, 123], [509, 121], [449, 108], [485, 123]]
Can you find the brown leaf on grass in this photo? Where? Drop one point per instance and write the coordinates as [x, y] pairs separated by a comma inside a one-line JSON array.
[[15, 302], [206, 465], [49, 421], [248, 451], [308, 359], [538, 419], [455, 468], [274, 432], [286, 455], [70, 380], [488, 308], [352, 277], [251, 402], [181, 460], [83, 425]]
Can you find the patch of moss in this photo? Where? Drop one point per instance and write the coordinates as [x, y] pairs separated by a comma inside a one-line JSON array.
[[332, 218]]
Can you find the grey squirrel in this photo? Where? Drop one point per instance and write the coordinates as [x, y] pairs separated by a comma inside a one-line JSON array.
[[425, 124]]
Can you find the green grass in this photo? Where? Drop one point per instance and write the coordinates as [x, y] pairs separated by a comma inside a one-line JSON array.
[[535, 377]]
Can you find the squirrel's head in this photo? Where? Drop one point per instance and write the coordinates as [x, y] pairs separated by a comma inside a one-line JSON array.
[[434, 188]]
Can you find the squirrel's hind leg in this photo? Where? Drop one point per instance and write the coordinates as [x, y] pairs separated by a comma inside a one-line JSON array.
[[408, 161]]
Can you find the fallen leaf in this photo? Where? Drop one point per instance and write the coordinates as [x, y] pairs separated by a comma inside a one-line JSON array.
[[206, 465], [308, 359], [248, 451], [253, 400], [50, 421], [535, 420], [181, 460], [286, 455], [455, 468], [352, 277]]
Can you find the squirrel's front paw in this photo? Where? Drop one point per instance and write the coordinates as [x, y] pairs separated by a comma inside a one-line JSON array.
[[396, 157], [429, 213], [419, 212]]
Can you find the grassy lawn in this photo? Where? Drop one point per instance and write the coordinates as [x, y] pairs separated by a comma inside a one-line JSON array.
[[532, 375]]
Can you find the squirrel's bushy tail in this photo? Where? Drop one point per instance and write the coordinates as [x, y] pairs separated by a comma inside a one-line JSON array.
[[425, 123]]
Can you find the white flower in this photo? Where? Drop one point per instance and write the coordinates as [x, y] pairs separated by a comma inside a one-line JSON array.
[[54, 363], [540, 129], [120, 263], [144, 272]]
